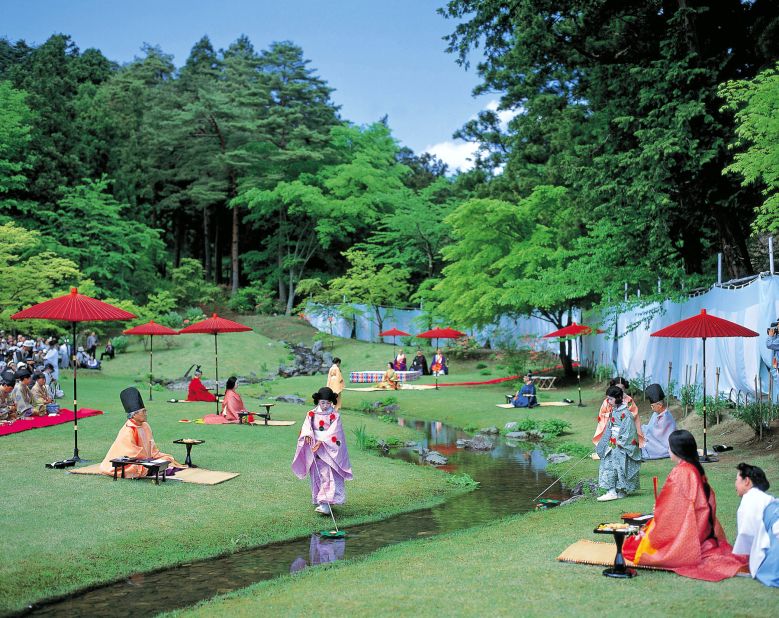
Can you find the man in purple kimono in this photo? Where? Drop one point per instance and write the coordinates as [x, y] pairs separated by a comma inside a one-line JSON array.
[[321, 452], [660, 426]]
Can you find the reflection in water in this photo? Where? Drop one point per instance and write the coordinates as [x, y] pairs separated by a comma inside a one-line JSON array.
[[509, 480], [321, 551]]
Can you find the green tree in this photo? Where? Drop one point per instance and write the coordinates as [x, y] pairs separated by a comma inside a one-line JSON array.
[[30, 271], [15, 119], [756, 105], [366, 283], [91, 229]]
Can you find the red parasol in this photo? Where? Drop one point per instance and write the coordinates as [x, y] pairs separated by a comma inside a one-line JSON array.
[[574, 330], [394, 332], [440, 333], [213, 326], [74, 308], [703, 326], [151, 328]]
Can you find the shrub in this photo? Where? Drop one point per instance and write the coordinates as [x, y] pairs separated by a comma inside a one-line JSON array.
[[471, 428], [387, 418], [172, 319], [485, 372], [715, 407], [461, 480], [756, 414], [365, 441], [689, 394], [554, 427], [527, 424], [120, 343], [463, 348], [194, 314], [481, 365]]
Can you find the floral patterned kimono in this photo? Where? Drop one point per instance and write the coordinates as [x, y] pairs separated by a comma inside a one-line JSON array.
[[620, 455]]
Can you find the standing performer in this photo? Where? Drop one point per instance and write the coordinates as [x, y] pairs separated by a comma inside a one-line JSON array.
[[321, 453], [335, 381], [605, 412], [135, 438], [620, 456]]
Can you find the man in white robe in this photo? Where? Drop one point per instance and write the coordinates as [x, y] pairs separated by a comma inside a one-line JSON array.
[[753, 539], [660, 426]]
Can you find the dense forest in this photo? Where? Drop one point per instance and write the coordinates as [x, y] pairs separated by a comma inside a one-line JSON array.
[[643, 140]]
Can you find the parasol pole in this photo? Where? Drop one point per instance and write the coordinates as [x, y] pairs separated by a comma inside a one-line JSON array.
[[151, 362], [75, 397], [216, 364], [579, 372], [705, 457]]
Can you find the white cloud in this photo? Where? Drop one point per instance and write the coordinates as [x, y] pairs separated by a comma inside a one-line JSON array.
[[457, 154]]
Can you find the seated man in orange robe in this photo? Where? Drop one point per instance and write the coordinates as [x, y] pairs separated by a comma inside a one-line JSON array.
[[135, 438], [685, 535], [196, 390]]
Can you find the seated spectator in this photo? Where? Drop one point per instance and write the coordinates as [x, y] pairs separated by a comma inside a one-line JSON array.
[[660, 426], [419, 363], [754, 537], [390, 380], [7, 405], [438, 366], [108, 351], [85, 361], [40, 395], [685, 535], [22, 395], [526, 396]]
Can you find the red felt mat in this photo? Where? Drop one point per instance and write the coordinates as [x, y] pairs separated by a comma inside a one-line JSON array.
[[65, 416]]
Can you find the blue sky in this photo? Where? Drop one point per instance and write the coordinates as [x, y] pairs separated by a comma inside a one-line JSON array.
[[381, 56]]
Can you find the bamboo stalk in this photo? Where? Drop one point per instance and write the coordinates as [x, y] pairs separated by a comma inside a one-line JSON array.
[[716, 393], [643, 382], [668, 383], [760, 413]]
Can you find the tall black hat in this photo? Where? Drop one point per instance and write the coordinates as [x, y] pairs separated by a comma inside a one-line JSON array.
[[325, 393], [131, 400], [654, 393]]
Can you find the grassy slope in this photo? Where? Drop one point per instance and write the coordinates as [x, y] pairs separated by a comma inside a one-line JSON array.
[[113, 529], [510, 567]]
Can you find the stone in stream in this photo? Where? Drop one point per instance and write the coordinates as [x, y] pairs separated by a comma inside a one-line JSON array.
[[490, 431], [411, 443], [557, 458], [511, 426], [517, 435], [461, 442], [479, 443], [534, 435], [435, 458], [290, 399], [393, 407]]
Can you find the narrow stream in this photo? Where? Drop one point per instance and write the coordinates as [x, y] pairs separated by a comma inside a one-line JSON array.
[[509, 479]]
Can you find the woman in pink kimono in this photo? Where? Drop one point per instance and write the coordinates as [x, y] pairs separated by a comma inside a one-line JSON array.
[[321, 453], [232, 404]]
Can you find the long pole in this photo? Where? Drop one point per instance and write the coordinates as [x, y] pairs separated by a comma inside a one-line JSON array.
[[216, 363], [75, 397], [579, 372], [705, 457], [151, 362]]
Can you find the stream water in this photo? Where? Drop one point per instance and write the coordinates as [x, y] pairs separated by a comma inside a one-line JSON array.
[[509, 479]]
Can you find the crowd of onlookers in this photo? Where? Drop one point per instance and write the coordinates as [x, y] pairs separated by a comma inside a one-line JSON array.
[[29, 372]]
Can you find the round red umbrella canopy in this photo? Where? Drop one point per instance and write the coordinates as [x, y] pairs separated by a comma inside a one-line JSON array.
[[703, 326], [441, 333], [394, 332], [213, 326], [74, 308], [151, 328], [572, 330]]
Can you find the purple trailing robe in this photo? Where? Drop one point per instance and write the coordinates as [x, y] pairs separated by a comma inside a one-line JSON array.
[[332, 466]]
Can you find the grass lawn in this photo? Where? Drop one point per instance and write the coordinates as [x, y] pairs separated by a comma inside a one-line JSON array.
[[509, 567], [64, 532]]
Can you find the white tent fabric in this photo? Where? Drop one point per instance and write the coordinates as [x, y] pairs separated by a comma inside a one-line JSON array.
[[740, 360]]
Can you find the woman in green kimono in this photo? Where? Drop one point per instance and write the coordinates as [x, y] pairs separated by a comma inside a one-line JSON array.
[[618, 449]]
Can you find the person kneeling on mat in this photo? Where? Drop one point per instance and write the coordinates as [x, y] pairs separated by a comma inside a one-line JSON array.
[[322, 454]]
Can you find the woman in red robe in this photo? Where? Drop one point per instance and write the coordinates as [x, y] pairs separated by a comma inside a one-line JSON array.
[[198, 392], [685, 535]]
